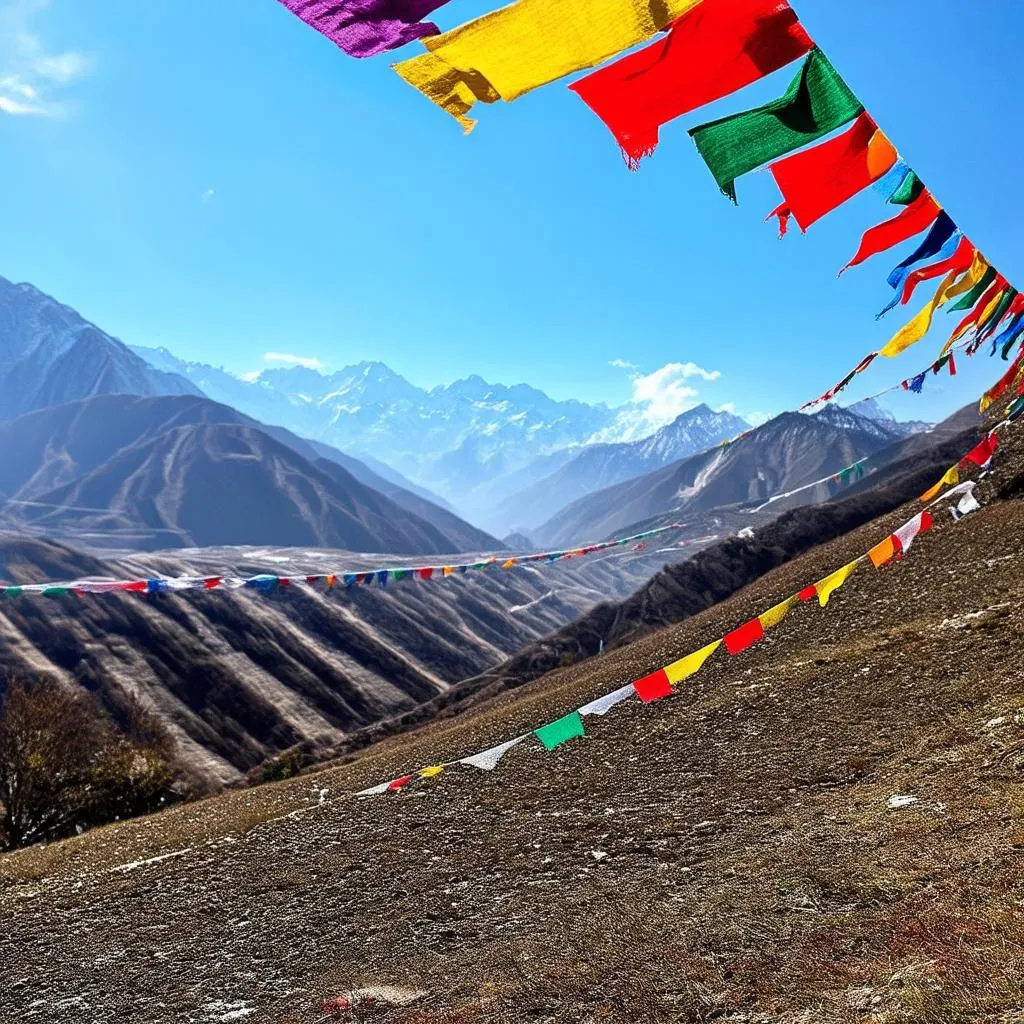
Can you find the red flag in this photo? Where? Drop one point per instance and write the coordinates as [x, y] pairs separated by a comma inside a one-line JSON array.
[[816, 181], [711, 51], [979, 307], [212, 582], [399, 783], [981, 453], [653, 687], [917, 217], [960, 260], [808, 593], [425, 574], [746, 636]]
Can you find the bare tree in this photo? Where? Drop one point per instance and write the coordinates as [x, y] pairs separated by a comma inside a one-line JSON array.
[[64, 766]]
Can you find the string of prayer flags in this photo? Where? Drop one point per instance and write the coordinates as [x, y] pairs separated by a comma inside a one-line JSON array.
[[713, 50], [818, 180], [744, 637], [939, 235], [918, 216], [529, 43], [817, 102], [561, 731], [833, 391], [363, 28], [653, 687], [984, 306], [830, 584], [659, 684], [1009, 309], [979, 287]]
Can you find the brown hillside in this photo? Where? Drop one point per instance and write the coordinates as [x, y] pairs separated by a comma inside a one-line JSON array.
[[727, 854]]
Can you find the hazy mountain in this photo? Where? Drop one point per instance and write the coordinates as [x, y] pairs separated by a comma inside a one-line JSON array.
[[450, 439], [184, 471], [601, 465], [787, 452], [870, 408], [50, 355]]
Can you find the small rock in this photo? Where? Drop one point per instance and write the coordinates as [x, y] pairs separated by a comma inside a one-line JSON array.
[[897, 801]]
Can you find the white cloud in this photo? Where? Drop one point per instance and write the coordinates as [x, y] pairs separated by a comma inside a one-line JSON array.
[[207, 196], [623, 364], [729, 407], [657, 399], [287, 359], [30, 75]]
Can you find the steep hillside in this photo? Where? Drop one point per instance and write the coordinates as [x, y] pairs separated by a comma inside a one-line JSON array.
[[787, 452], [242, 676], [598, 466], [50, 355], [824, 828], [99, 445]]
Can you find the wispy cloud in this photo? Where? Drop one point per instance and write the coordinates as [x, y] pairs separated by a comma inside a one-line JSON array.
[[287, 359], [207, 196], [657, 398], [623, 364], [32, 78]]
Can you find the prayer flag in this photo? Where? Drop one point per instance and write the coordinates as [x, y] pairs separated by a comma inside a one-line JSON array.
[[979, 287], [934, 242], [653, 687], [604, 704], [904, 537], [961, 259], [775, 615], [692, 663], [429, 773], [919, 326], [375, 790], [985, 306], [952, 476], [527, 44], [487, 760], [908, 190], [917, 217], [557, 733], [746, 636], [363, 28], [816, 181], [832, 583], [398, 784], [808, 593], [882, 553], [817, 102], [711, 51], [981, 453]]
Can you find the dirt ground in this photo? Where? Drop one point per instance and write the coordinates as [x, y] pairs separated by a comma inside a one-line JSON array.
[[826, 828]]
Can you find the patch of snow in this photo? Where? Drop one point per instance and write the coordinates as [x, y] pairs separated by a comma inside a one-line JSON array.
[[896, 801], [132, 865]]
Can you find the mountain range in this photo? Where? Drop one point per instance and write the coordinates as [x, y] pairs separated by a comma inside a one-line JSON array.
[[183, 471]]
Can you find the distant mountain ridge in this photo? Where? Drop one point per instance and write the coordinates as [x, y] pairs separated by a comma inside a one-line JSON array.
[[49, 355], [787, 452], [598, 466], [123, 471], [450, 438]]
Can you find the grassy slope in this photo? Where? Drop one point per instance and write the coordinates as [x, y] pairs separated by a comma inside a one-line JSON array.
[[754, 872]]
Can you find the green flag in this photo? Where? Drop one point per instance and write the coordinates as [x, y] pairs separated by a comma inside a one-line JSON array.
[[968, 301], [817, 102], [557, 733], [908, 190]]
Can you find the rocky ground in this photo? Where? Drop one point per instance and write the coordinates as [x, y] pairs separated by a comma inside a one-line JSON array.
[[828, 827]]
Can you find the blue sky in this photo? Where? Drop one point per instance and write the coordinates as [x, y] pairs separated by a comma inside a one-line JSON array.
[[213, 176]]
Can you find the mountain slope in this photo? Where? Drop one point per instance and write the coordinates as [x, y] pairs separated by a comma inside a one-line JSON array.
[[600, 465], [732, 853], [52, 448], [241, 676], [50, 355], [785, 453]]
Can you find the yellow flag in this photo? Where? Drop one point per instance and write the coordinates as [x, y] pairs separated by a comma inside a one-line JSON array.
[[511, 562], [526, 45], [951, 478], [775, 615], [921, 324], [448, 570], [964, 285], [686, 667], [832, 583], [990, 310], [429, 773]]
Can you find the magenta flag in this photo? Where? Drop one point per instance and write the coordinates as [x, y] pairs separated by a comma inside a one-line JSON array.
[[363, 28]]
